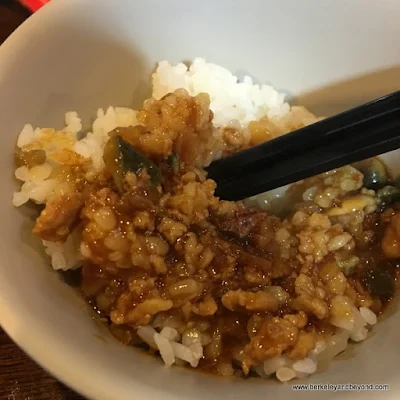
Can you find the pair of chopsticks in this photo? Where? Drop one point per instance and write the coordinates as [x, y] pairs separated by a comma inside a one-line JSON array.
[[354, 135]]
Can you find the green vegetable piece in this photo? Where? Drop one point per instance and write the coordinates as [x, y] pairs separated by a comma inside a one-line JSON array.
[[380, 283], [173, 163], [387, 195], [121, 157], [375, 176]]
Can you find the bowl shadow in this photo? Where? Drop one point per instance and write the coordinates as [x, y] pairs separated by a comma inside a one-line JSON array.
[[343, 95]]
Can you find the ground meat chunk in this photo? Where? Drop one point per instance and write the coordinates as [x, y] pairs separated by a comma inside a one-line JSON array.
[[104, 237], [139, 303], [183, 290], [142, 313], [391, 238], [300, 319], [171, 230], [308, 298], [59, 217], [333, 277], [143, 220], [304, 344], [257, 270], [206, 307], [191, 201], [179, 123], [233, 140], [244, 222], [251, 301], [274, 336]]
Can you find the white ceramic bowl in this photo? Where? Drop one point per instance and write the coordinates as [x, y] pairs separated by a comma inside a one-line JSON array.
[[85, 54]]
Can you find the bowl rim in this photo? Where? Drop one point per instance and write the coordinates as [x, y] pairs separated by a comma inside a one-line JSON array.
[[35, 342]]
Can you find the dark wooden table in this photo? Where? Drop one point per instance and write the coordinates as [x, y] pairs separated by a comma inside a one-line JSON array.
[[20, 377]]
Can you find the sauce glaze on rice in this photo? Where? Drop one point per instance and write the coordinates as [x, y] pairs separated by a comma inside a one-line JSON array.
[[220, 285]]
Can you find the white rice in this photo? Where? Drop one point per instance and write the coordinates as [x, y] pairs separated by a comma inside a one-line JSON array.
[[165, 348], [173, 347], [185, 354], [323, 353], [285, 374], [170, 334], [65, 255], [231, 100], [27, 136], [197, 350], [146, 333], [273, 364], [306, 366], [368, 315], [191, 337]]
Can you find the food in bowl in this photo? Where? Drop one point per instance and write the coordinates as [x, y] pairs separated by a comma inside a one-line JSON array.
[[227, 287]]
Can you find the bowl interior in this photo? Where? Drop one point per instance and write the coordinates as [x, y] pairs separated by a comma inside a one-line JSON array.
[[80, 55]]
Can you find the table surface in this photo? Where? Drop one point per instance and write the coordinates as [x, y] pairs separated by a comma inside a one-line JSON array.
[[20, 377]]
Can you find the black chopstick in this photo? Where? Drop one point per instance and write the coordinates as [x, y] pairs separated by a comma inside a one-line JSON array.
[[304, 166], [373, 135], [326, 131]]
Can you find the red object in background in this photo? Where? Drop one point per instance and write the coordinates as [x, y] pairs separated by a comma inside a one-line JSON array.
[[34, 5]]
